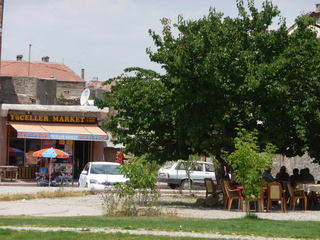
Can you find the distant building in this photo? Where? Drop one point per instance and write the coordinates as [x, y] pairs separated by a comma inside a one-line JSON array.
[[97, 88], [316, 25], [41, 82]]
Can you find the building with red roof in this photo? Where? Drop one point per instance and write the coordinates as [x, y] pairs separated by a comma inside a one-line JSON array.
[[27, 81]]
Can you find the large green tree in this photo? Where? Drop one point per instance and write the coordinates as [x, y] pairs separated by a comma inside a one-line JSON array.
[[221, 71]]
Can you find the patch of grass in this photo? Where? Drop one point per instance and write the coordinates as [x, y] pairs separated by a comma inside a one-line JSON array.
[[59, 193], [9, 234], [249, 225], [242, 226], [251, 215]]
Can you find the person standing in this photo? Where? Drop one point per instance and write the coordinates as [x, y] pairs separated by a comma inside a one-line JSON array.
[[224, 171]]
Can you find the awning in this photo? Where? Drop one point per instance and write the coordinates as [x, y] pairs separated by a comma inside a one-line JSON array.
[[59, 131]]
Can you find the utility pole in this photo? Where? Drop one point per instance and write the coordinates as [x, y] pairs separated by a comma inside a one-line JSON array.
[[1, 24], [29, 59]]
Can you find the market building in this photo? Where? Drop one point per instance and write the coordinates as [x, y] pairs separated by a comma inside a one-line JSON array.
[[76, 130], [40, 108]]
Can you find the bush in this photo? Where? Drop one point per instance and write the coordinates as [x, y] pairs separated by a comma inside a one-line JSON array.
[[248, 162], [139, 192]]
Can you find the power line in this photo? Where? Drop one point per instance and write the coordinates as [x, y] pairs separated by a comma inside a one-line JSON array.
[[79, 62]]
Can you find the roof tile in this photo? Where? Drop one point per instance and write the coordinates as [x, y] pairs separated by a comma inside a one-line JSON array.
[[55, 70]]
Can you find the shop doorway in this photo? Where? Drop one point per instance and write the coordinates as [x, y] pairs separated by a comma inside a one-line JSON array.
[[81, 156]]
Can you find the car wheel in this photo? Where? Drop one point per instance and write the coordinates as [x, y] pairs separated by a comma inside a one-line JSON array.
[[173, 186], [185, 184]]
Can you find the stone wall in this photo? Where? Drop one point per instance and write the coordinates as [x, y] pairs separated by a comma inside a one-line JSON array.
[[69, 89], [27, 90], [63, 101], [296, 162]]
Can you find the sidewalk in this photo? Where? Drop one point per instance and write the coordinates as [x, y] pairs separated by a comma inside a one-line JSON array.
[[93, 205], [82, 206], [19, 182], [25, 182]]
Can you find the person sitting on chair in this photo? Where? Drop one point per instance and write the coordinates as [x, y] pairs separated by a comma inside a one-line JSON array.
[[267, 175], [295, 177], [57, 174], [307, 175], [282, 175]]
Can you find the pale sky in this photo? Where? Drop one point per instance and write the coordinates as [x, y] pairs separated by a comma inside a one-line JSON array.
[[105, 36]]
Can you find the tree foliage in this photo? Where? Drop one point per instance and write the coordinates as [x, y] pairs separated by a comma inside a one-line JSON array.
[[249, 162], [219, 71]]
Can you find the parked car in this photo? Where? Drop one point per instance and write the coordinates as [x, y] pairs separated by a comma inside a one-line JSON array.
[[100, 175], [175, 175]]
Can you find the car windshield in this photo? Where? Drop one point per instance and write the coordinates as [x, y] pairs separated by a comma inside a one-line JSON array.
[[168, 165], [105, 169]]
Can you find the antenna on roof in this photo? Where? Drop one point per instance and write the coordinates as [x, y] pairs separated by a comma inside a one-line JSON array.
[[84, 97], [29, 60]]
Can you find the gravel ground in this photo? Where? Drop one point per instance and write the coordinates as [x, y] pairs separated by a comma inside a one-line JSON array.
[[92, 205]]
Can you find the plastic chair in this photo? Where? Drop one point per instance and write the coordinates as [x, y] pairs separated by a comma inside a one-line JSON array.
[[232, 194], [296, 194], [225, 181], [276, 193], [296, 183], [259, 201], [211, 188]]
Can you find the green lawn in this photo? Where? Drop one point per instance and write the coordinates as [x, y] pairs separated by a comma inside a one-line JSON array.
[[11, 234], [244, 226]]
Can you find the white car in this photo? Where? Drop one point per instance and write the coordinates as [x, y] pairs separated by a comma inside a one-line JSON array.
[[101, 175], [174, 174]]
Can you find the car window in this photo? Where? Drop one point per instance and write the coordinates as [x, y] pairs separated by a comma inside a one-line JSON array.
[[209, 168], [168, 165], [105, 169], [199, 167], [180, 166]]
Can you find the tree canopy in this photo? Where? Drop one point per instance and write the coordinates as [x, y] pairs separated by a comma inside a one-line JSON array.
[[220, 71]]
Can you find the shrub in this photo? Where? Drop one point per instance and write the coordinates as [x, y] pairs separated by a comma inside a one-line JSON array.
[[139, 192], [248, 162]]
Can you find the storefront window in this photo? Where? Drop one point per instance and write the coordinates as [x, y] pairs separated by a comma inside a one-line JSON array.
[[32, 145], [16, 152]]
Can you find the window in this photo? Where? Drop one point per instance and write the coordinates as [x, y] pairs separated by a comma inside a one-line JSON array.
[[16, 152], [180, 166], [199, 167], [105, 169], [209, 168]]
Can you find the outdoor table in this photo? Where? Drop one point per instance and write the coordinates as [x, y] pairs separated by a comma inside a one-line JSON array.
[[309, 187], [311, 191], [240, 193], [265, 192], [4, 169]]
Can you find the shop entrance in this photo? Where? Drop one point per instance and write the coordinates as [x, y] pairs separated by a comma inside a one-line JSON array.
[[81, 156]]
